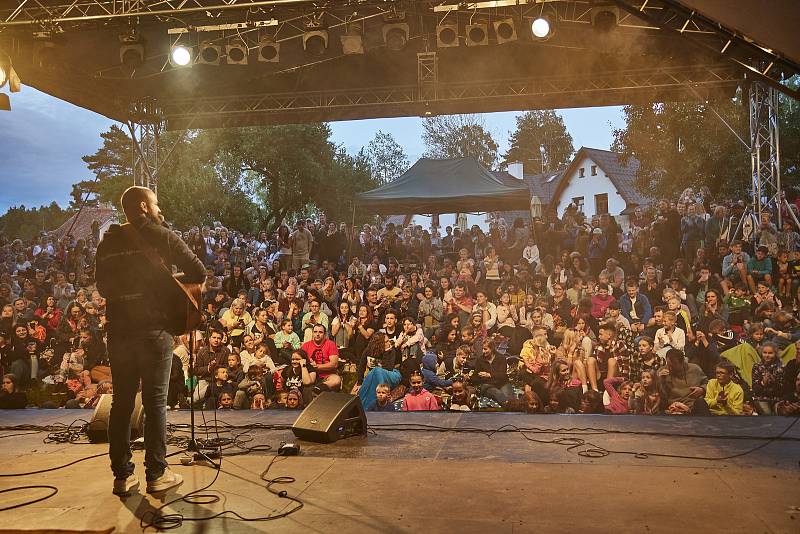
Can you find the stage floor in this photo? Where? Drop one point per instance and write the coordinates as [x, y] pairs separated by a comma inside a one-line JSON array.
[[432, 481]]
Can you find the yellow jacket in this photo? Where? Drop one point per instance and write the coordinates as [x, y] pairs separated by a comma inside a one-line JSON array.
[[735, 398]]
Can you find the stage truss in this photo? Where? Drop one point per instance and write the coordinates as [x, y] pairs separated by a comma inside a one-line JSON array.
[[148, 118]]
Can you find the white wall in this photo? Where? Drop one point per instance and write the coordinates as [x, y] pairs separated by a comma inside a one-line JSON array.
[[589, 186]]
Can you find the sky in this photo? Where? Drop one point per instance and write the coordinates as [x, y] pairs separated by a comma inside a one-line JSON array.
[[43, 139]]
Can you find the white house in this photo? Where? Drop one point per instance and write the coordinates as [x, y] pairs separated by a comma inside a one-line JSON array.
[[597, 181]]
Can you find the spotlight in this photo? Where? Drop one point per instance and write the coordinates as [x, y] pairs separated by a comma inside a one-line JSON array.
[[352, 43], [181, 56], [315, 42], [447, 35], [395, 35], [605, 18], [46, 55], [209, 54], [477, 35], [268, 50], [541, 28], [236, 52], [131, 56], [505, 30]]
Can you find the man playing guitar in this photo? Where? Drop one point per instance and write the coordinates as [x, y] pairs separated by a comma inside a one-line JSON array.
[[141, 296]]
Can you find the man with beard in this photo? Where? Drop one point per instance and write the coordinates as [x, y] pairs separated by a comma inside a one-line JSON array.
[[139, 338]]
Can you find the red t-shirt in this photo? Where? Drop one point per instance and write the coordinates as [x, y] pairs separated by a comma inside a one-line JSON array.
[[321, 354]]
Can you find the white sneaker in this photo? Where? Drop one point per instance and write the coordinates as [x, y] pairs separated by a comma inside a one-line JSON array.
[[126, 485], [164, 482]]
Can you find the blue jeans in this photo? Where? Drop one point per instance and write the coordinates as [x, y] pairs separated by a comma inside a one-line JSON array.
[[135, 356]]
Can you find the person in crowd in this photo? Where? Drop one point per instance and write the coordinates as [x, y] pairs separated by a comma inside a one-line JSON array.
[[767, 379], [682, 385], [383, 399], [418, 398], [724, 396], [491, 374], [325, 355], [11, 397]]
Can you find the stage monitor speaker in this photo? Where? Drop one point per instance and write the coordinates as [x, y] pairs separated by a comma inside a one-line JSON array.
[[331, 417], [98, 426]]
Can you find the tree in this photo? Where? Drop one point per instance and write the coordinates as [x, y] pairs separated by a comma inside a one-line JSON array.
[[386, 158], [683, 144], [459, 136], [348, 175], [112, 166], [537, 129], [23, 223]]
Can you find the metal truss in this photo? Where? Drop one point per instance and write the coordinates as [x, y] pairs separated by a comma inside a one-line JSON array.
[[761, 63], [765, 150], [220, 111], [146, 124], [427, 76]]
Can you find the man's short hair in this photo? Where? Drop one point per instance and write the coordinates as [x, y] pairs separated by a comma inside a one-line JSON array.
[[131, 199]]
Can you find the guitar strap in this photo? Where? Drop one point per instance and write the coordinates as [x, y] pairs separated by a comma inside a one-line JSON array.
[[145, 247]]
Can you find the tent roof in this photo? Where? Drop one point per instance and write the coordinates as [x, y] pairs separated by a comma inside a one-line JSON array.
[[445, 186]]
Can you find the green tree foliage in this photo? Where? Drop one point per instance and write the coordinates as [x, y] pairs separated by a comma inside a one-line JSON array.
[[246, 178], [112, 166], [682, 144], [386, 158], [537, 129], [789, 116], [459, 136], [21, 222]]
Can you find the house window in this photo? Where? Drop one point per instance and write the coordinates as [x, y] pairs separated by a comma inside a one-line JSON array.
[[594, 170], [601, 204], [581, 173], [578, 201]]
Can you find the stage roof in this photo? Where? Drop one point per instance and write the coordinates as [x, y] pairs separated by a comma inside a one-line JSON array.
[[445, 186], [658, 50]]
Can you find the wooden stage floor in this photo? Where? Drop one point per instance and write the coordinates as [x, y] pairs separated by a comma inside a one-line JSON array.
[[458, 480]]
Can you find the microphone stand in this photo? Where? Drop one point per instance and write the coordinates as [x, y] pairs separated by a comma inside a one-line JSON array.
[[194, 446]]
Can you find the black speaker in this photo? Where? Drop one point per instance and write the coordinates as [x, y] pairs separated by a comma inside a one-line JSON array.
[[331, 417], [97, 430]]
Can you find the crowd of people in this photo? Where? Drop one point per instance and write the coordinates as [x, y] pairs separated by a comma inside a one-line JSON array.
[[682, 311]]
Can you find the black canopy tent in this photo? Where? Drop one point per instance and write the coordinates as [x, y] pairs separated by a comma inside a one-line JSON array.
[[456, 185]]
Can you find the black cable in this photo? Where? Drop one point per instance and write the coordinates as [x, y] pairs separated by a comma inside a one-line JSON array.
[[591, 450], [175, 520], [47, 470], [20, 488]]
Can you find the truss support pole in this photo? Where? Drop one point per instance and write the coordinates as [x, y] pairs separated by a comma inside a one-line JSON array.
[[427, 76], [765, 150], [146, 124]]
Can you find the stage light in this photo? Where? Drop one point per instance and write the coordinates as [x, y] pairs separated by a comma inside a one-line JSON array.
[[395, 35], [447, 35], [352, 42], [236, 52], [505, 30], [315, 42], [131, 56], [540, 28], [605, 18], [46, 56], [180, 56], [268, 50], [209, 54], [476, 35]]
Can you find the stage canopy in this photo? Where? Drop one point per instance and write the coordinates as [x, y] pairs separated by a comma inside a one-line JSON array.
[[455, 185]]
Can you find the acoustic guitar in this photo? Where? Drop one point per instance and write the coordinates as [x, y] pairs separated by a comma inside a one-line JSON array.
[[182, 301]]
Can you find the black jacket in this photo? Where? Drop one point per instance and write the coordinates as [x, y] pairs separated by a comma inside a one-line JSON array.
[[134, 288]]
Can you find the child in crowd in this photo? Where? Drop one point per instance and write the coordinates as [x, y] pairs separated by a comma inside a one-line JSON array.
[[670, 335], [619, 392], [418, 398], [383, 402]]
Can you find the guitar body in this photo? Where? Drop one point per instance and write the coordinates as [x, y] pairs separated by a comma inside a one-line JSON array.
[[194, 299]]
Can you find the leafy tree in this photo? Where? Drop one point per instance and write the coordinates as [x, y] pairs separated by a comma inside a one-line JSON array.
[[348, 175], [459, 136], [537, 129], [386, 158], [21, 222], [112, 165], [681, 144]]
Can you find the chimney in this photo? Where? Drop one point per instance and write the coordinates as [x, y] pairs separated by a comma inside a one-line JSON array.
[[515, 170]]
